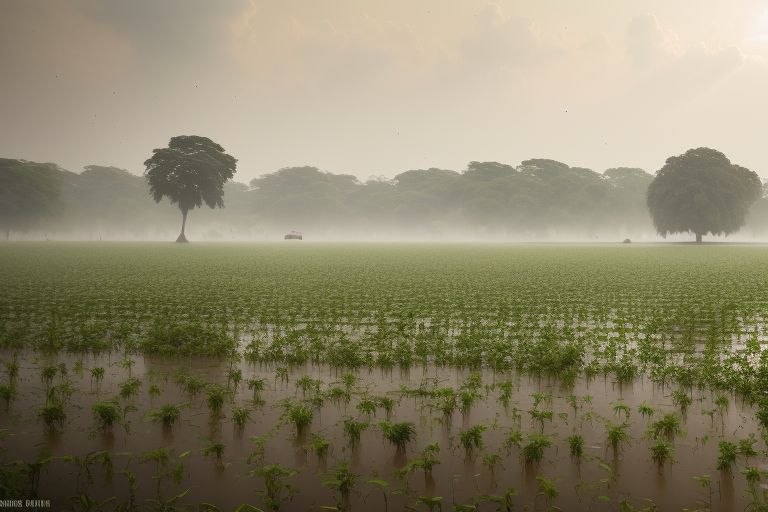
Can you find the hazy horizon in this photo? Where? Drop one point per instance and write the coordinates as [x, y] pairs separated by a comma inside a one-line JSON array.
[[375, 88]]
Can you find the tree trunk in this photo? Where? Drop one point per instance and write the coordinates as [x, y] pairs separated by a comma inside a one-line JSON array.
[[698, 238], [183, 239]]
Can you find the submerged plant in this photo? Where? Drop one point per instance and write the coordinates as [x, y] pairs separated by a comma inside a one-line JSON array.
[[167, 415], [342, 481], [106, 414], [727, 456], [353, 429], [472, 438], [533, 451], [398, 434], [661, 453], [576, 445], [276, 491]]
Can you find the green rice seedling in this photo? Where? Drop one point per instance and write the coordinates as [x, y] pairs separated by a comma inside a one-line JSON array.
[[234, 377], [319, 446], [514, 439], [53, 415], [259, 448], [256, 385], [747, 446], [342, 481], [533, 452], [398, 434], [281, 374], [167, 415], [472, 438], [541, 398], [576, 446], [662, 452], [276, 490], [215, 450], [468, 397], [78, 368], [353, 429], [547, 490], [726, 458], [367, 405], [621, 408], [308, 385], [491, 461], [215, 398], [388, 404], [298, 414], [154, 391], [681, 399], [47, 375], [540, 417], [505, 395], [646, 411], [338, 394], [617, 434], [97, 374], [447, 405], [193, 385], [349, 380], [128, 364], [668, 426], [240, 416], [752, 474], [106, 414], [129, 388]]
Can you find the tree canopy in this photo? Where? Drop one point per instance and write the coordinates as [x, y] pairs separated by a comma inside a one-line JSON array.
[[701, 192], [29, 194], [191, 171]]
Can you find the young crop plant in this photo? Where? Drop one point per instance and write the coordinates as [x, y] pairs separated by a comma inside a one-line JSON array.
[[398, 434], [215, 450], [617, 434], [668, 426], [533, 451], [576, 446], [256, 385], [276, 490], [240, 416], [472, 438], [215, 398], [727, 456], [234, 377], [353, 429], [106, 414], [681, 399], [319, 446], [342, 481], [645, 410], [53, 415], [297, 413], [167, 415], [490, 461], [548, 491], [662, 452]]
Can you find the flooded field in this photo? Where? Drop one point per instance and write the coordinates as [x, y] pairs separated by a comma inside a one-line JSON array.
[[512, 413], [376, 377]]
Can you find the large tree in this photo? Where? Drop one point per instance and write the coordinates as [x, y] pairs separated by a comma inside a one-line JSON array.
[[29, 193], [701, 192], [191, 171]]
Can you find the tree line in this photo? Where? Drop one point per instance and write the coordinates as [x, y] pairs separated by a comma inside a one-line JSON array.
[[699, 192]]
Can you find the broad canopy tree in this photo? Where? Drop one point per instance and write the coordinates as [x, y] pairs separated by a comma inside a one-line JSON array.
[[701, 192], [191, 171]]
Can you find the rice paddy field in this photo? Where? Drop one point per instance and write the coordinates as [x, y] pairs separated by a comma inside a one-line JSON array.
[[383, 377]]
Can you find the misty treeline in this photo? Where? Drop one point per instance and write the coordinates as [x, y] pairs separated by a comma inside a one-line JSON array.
[[538, 200]]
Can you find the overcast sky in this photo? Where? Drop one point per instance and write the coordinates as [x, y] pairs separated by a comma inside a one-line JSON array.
[[376, 87]]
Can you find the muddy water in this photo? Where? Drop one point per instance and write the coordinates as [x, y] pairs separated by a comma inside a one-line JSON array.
[[597, 482]]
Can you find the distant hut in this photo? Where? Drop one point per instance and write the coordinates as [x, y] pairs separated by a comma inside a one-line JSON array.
[[293, 235]]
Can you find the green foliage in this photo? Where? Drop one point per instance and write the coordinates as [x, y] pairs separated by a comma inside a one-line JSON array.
[[398, 434], [701, 192], [191, 171]]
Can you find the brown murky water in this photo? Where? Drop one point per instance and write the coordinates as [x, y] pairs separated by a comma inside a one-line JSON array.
[[597, 482]]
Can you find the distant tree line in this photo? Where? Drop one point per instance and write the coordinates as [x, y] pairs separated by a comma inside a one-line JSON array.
[[537, 199]]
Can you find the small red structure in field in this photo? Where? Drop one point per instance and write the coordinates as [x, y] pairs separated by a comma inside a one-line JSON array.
[[293, 235]]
